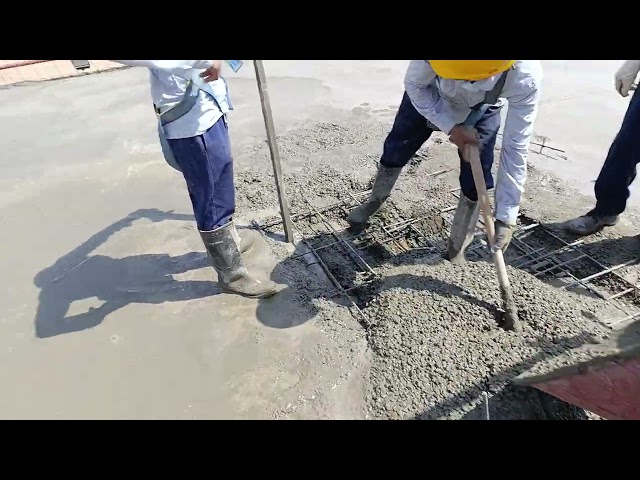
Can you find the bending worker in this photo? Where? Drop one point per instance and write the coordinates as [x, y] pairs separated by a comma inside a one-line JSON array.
[[448, 95], [191, 100], [619, 169]]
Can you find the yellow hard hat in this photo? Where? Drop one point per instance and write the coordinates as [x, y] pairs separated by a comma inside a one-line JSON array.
[[469, 69]]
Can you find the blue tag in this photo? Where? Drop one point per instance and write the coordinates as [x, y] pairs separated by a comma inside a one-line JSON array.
[[235, 64]]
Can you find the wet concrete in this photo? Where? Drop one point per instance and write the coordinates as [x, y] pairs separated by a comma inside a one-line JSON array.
[[580, 111], [109, 310]]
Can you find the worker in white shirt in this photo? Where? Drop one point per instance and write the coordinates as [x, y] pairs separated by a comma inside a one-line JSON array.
[[619, 169], [198, 145], [449, 95]]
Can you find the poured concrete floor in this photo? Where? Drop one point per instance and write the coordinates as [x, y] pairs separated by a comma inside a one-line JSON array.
[[96, 318]]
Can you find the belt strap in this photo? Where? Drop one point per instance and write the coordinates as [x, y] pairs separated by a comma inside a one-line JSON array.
[[194, 86], [186, 104]]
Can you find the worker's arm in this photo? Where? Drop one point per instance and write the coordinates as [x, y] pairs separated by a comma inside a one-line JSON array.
[[420, 85], [512, 171], [175, 67]]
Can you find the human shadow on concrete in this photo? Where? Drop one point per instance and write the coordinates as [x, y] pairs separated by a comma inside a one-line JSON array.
[[509, 402], [306, 280], [609, 252], [300, 285], [116, 282], [306, 283]]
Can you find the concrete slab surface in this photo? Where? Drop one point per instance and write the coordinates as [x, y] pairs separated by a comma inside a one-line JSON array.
[[109, 309]]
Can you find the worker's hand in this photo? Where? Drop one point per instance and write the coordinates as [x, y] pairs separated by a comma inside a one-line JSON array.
[[626, 76], [152, 214], [504, 232], [461, 137], [212, 73]]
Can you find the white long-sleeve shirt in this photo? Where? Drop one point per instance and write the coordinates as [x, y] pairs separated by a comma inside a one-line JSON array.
[[168, 79], [447, 103]]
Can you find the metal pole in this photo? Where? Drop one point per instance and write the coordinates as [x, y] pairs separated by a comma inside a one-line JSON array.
[[273, 148], [485, 397]]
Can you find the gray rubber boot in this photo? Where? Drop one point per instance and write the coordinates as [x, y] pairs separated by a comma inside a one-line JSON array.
[[504, 235], [383, 184], [245, 240], [463, 229], [588, 224], [222, 247]]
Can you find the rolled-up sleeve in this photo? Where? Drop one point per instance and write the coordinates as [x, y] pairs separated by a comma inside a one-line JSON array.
[[512, 171], [420, 85], [175, 67]]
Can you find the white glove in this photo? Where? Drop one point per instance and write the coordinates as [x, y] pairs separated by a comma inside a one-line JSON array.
[[626, 75]]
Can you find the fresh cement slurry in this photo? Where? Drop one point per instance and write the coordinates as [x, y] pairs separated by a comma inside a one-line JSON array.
[[431, 326]]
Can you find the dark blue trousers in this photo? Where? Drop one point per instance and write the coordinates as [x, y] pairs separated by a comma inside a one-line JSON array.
[[410, 131], [619, 169], [207, 167]]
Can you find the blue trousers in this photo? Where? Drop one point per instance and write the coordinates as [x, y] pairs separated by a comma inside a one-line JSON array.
[[619, 169], [207, 167], [410, 131]]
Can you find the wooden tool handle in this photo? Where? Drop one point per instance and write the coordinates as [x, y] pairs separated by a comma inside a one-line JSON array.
[[511, 321], [473, 157]]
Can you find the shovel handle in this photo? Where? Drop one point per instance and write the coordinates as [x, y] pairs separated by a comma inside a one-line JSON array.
[[473, 157], [511, 321]]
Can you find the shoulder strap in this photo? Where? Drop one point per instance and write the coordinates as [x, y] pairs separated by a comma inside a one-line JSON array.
[[491, 97]]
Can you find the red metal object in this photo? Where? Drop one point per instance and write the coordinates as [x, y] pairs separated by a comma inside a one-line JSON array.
[[23, 64], [608, 386]]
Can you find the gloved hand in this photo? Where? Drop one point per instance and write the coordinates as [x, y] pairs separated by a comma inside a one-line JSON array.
[[626, 75], [504, 232]]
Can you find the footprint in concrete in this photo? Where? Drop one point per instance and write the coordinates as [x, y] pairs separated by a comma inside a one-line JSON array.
[[360, 111]]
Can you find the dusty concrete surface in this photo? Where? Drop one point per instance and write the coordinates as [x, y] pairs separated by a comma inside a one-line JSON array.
[[109, 309]]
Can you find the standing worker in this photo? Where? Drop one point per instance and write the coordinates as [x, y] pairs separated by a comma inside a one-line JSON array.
[[191, 100], [619, 169], [449, 95]]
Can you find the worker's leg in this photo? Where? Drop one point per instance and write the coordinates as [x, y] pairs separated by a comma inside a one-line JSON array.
[[210, 183], [465, 218], [617, 173], [207, 166], [409, 132]]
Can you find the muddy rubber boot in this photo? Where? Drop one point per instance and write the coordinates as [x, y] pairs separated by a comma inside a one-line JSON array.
[[463, 229], [588, 224], [504, 234], [383, 184], [222, 247], [245, 240]]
